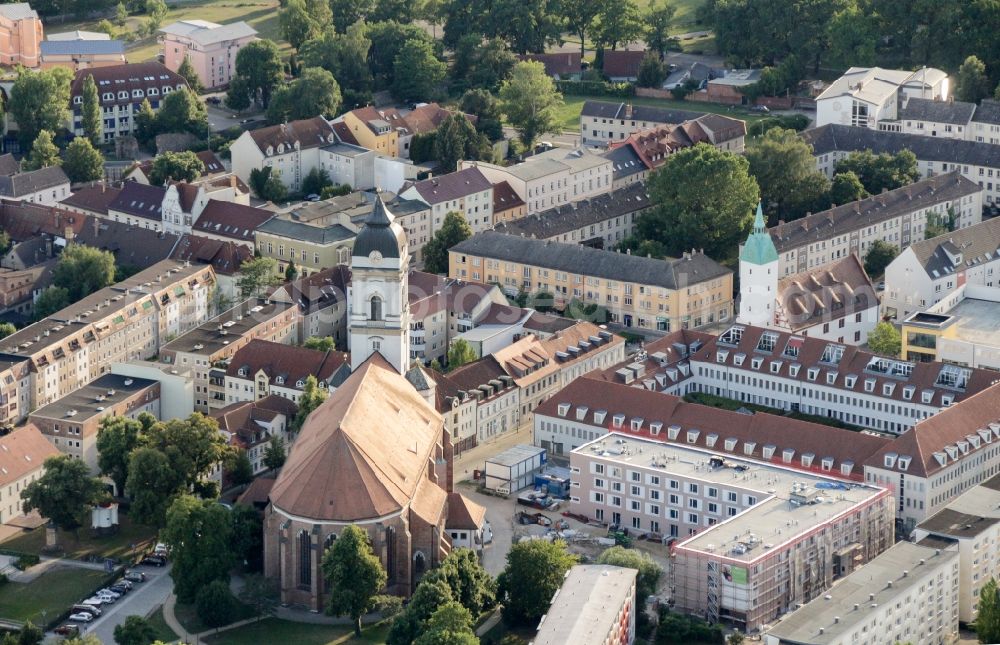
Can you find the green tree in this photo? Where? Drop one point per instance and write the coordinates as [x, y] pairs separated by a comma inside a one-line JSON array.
[[51, 300], [652, 72], [145, 124], [121, 14], [6, 329], [349, 12], [530, 101], [312, 396], [468, 581], [238, 95], [64, 492], [136, 630], [82, 161], [852, 35], [883, 171], [175, 166], [580, 17], [649, 570], [274, 454], [297, 26], [453, 230], [658, 19], [456, 139], [117, 438], [156, 11], [82, 270], [322, 344], [267, 185], [534, 571], [259, 66], [736, 638], [29, 634], [785, 170], [187, 71], [152, 483], [39, 101], [885, 339], [481, 64], [183, 111], [845, 188], [260, 594], [878, 257], [484, 106], [247, 541], [417, 72], [346, 57], [257, 275], [619, 23], [90, 111], [432, 593], [988, 619], [387, 41], [973, 85], [241, 471], [450, 624], [353, 576], [314, 93], [215, 604], [939, 224], [198, 532], [290, 271], [5, 244], [460, 353], [705, 199], [44, 153]]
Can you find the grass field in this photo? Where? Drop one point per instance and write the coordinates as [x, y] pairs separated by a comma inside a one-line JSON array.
[[163, 631], [112, 546], [52, 593], [275, 630], [569, 114], [187, 616]]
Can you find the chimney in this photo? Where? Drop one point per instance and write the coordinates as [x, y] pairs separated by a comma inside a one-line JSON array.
[[628, 110], [97, 226], [232, 181]]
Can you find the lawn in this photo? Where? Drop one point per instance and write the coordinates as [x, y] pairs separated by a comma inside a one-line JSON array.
[[714, 401], [112, 546], [569, 113], [187, 616], [275, 630], [50, 593], [163, 631]]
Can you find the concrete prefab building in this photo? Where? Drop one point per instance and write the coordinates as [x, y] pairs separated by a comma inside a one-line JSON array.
[[515, 468]]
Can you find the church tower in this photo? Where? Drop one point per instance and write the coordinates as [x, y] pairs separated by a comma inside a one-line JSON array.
[[379, 319], [758, 276]]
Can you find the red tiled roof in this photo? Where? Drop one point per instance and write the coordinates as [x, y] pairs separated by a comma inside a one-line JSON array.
[[824, 293], [229, 219], [622, 64], [23, 451], [464, 514], [505, 197], [94, 199], [309, 133], [344, 133], [289, 362], [556, 64], [225, 257], [127, 78]]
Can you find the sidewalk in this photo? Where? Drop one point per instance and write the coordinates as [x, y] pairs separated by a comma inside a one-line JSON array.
[[476, 457]]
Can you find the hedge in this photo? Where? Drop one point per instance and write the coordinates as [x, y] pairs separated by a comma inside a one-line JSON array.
[[596, 88]]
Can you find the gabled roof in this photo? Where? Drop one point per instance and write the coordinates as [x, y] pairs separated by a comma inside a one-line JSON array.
[[343, 471], [209, 33], [308, 133], [452, 186], [464, 514], [629, 112], [9, 165], [22, 452], [622, 63], [824, 293], [321, 289], [846, 138], [505, 197], [229, 219], [127, 77], [960, 249], [95, 199], [954, 112], [18, 11], [988, 112], [26, 183], [344, 132], [226, 257], [140, 200], [243, 419], [427, 118], [870, 84], [552, 223], [82, 48], [556, 64], [288, 363]]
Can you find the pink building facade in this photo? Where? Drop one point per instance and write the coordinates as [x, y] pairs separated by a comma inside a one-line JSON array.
[[20, 35], [212, 48]]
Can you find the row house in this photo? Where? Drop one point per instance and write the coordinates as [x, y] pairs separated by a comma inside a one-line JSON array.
[[263, 368]]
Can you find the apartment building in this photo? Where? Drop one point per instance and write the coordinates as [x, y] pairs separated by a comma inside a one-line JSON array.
[[654, 145], [970, 525], [207, 348], [507, 204], [71, 423], [467, 192], [977, 161], [21, 35], [47, 186], [602, 122], [389, 131], [627, 167], [322, 301], [81, 54], [290, 149], [22, 461], [211, 48], [121, 90], [596, 605], [682, 293], [263, 368], [909, 594], [960, 329], [867, 96], [754, 538], [311, 248], [600, 222], [930, 270], [948, 119], [130, 320], [552, 178], [898, 217], [250, 425]]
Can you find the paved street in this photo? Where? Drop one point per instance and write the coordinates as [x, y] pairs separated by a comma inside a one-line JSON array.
[[144, 598]]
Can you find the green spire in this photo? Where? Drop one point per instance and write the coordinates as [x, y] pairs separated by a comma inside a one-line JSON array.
[[759, 248]]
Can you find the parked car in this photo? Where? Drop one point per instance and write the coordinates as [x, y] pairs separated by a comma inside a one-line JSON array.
[[93, 601], [312, 197], [119, 589], [81, 617], [154, 561], [108, 592], [214, 100], [70, 631], [135, 576], [760, 108], [81, 607], [161, 549]]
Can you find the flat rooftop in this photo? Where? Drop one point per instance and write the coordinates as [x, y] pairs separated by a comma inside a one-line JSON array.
[[94, 398], [584, 609], [976, 321], [515, 455], [790, 502], [969, 514], [835, 612], [226, 328]]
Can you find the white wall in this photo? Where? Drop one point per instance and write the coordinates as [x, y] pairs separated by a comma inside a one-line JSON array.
[[176, 390]]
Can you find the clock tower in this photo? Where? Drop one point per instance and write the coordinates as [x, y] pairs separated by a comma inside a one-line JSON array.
[[379, 312]]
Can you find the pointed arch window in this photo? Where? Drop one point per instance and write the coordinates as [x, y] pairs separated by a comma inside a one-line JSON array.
[[305, 559], [376, 308]]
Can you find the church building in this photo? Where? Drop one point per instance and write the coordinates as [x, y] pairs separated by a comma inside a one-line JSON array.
[[376, 453]]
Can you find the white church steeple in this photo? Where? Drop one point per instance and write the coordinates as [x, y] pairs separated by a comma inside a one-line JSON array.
[[758, 275]]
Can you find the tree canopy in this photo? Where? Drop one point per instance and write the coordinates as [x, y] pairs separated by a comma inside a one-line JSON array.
[[315, 92], [82, 162], [785, 170], [460, 353], [988, 619], [417, 72], [136, 630], [454, 229], [90, 111], [878, 257], [175, 166], [82, 270], [649, 570], [44, 152], [885, 339], [198, 532], [64, 492], [310, 399], [530, 101], [353, 575], [260, 70], [117, 438], [535, 570], [39, 101]]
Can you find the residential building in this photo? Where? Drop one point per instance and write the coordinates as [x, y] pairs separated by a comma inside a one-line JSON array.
[[552, 178], [899, 217], [250, 426], [947, 119], [654, 145], [389, 131], [558, 65], [263, 368], [960, 329], [121, 90], [866, 96], [349, 164], [229, 221], [91, 200], [602, 121], [322, 301], [622, 65], [682, 293], [467, 192], [596, 605], [22, 461], [130, 320], [206, 348], [507, 204], [909, 594], [748, 549], [985, 126], [930, 270], [216, 181], [290, 149], [43, 186], [697, 73], [970, 525], [21, 35], [309, 247], [729, 86], [81, 54], [600, 222], [71, 422], [15, 393], [139, 205], [211, 48], [977, 161], [627, 167], [78, 34], [20, 287], [225, 257], [176, 385]]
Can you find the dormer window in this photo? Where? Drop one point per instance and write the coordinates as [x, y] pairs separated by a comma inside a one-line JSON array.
[[738, 359], [242, 371], [599, 416], [887, 389], [637, 424], [889, 460], [768, 451], [946, 400], [787, 454], [279, 380], [721, 356], [826, 464], [748, 447], [563, 409], [850, 381], [581, 412], [618, 420], [927, 396], [869, 385], [793, 370], [812, 373], [730, 444], [300, 384], [775, 367], [807, 460], [756, 363], [672, 432], [831, 378], [846, 467], [904, 463], [908, 392], [655, 427], [692, 436], [710, 440]]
